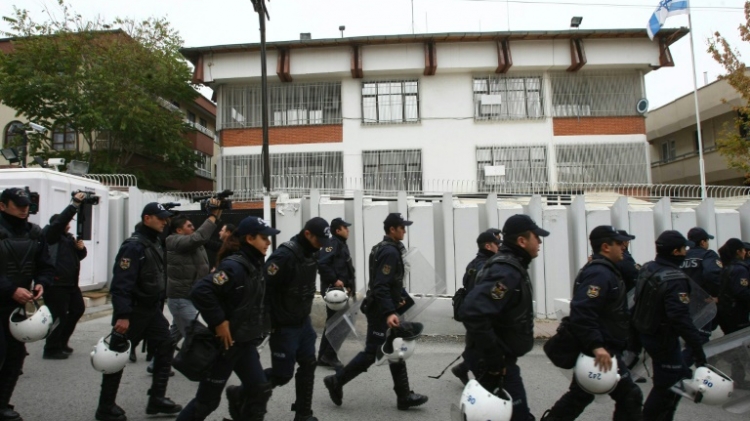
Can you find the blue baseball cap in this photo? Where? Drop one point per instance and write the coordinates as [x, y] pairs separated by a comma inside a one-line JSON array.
[[319, 228], [252, 225], [157, 210]]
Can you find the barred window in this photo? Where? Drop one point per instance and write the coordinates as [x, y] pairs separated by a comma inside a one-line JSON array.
[[508, 97], [525, 168], [289, 104], [392, 170], [390, 102], [609, 163], [12, 135], [599, 94], [295, 172], [64, 139], [203, 166]]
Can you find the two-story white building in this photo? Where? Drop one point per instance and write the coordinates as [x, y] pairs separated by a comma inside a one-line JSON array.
[[501, 111]]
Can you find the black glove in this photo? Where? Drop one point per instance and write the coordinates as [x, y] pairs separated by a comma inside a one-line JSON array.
[[118, 342], [492, 382], [699, 356]]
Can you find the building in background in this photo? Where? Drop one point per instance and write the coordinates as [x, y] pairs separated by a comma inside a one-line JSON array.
[[673, 136], [498, 111]]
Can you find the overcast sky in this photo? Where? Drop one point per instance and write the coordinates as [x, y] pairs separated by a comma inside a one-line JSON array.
[[217, 22]]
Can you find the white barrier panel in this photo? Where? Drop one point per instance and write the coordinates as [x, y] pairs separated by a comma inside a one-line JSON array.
[[744, 211], [422, 234], [727, 225], [374, 213], [577, 248], [465, 232], [118, 210], [505, 210], [682, 220], [331, 209], [705, 215], [288, 220], [595, 216], [556, 263], [643, 248]]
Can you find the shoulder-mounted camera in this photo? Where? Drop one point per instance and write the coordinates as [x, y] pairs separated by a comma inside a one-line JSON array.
[[90, 199], [34, 199], [224, 202]]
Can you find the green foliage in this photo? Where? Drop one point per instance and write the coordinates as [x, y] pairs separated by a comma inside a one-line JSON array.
[[732, 145], [109, 85]]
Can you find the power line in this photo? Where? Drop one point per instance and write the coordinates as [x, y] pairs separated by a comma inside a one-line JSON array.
[[640, 6]]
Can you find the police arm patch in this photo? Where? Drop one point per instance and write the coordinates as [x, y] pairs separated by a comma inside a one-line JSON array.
[[498, 292], [329, 249], [124, 263], [272, 269], [386, 269], [719, 264], [593, 291], [220, 278], [684, 297], [743, 282]]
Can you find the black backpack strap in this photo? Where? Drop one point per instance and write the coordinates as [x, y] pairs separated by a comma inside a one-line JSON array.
[[249, 268], [295, 248]]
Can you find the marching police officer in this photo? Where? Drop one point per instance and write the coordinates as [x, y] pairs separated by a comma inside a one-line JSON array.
[[627, 266], [336, 271], [25, 262], [734, 296], [499, 315], [702, 264], [137, 289], [488, 246], [662, 316], [384, 297], [290, 279], [599, 320], [231, 302]]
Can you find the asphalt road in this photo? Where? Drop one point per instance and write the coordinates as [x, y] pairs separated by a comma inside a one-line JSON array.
[[68, 389]]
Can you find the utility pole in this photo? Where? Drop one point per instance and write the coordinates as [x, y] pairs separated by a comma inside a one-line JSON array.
[[260, 8]]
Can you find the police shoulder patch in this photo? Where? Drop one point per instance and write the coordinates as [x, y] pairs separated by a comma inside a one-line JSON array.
[[272, 269], [220, 278], [329, 249], [498, 292], [593, 291], [743, 282], [386, 269], [684, 297], [124, 263], [719, 264]]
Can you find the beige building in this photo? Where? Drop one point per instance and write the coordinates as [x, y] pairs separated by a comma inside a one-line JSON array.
[[672, 134]]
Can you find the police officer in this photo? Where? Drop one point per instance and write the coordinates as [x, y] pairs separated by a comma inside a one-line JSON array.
[[499, 315], [24, 274], [230, 300], [734, 296], [702, 264], [384, 297], [336, 270], [488, 246], [662, 316], [137, 289], [599, 321], [290, 278], [627, 266]]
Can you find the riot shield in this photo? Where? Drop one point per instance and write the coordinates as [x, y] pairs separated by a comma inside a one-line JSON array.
[[347, 331], [731, 354]]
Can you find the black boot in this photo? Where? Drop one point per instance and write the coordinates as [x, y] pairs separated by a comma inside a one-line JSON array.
[[406, 397], [304, 382], [255, 401], [157, 402], [7, 385], [108, 409], [461, 371], [235, 400], [335, 383]]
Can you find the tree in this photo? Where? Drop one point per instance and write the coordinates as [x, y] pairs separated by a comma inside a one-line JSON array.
[[112, 86], [734, 143]]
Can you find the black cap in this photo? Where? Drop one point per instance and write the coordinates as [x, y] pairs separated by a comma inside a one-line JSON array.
[[487, 237], [672, 240], [395, 220], [155, 209], [746, 244], [337, 223], [494, 231], [518, 224], [623, 232], [608, 231], [17, 195], [252, 225], [698, 234], [319, 228]]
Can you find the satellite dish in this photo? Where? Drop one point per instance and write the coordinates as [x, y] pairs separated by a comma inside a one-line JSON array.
[[642, 106]]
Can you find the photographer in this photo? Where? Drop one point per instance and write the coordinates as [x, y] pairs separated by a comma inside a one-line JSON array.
[[63, 297], [187, 262]]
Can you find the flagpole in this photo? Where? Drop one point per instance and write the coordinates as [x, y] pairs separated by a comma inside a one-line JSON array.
[[697, 110]]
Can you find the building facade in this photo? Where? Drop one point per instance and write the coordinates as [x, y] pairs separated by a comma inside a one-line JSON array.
[[673, 137], [501, 111]]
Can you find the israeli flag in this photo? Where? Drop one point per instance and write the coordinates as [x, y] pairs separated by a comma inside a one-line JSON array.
[[666, 9]]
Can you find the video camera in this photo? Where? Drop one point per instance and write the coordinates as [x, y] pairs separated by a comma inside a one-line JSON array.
[[34, 199], [225, 204], [171, 205], [90, 199]]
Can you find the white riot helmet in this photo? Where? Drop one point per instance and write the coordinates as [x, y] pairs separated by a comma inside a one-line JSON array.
[[336, 298], [593, 379], [106, 360], [477, 404], [709, 386], [31, 328], [400, 342]]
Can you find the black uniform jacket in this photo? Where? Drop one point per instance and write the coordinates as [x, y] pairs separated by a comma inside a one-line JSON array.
[[335, 264]]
